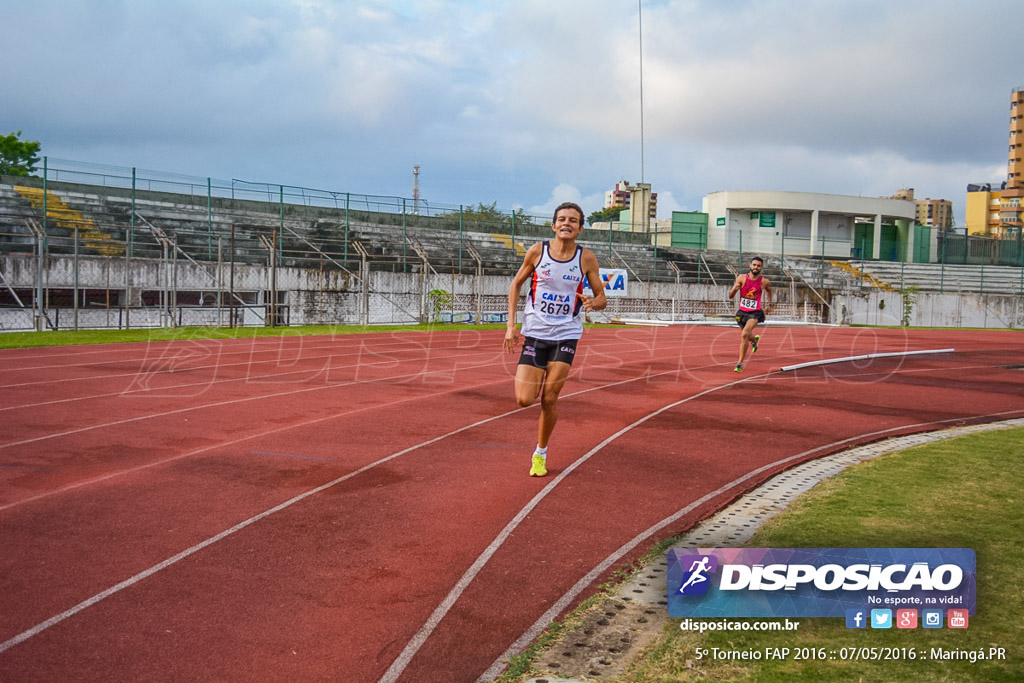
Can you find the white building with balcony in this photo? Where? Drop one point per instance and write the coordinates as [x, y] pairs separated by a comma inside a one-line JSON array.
[[820, 225]]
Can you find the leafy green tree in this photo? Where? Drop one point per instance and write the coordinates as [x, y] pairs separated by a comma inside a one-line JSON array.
[[484, 213], [605, 215], [437, 301], [18, 157], [523, 218], [488, 216]]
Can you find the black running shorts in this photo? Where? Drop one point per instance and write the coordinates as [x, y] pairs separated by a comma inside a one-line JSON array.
[[540, 352], [743, 316]]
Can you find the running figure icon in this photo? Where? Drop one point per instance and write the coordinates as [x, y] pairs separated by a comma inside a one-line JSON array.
[[697, 573]]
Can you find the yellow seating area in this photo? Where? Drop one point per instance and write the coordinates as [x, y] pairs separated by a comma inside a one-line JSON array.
[[62, 215], [864, 276], [506, 241]]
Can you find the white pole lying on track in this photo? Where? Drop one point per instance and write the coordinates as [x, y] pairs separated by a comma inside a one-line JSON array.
[[787, 368]]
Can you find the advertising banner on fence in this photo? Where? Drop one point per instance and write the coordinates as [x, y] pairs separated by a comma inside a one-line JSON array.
[[817, 582], [616, 282]]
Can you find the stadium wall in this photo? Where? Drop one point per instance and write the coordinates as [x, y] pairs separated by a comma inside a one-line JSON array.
[[187, 293]]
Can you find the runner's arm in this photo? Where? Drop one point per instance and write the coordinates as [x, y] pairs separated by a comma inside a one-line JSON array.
[[530, 262], [593, 274], [736, 286], [767, 286]]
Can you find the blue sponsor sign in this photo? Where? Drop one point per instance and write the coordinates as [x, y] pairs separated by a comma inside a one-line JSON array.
[[855, 583], [616, 282]]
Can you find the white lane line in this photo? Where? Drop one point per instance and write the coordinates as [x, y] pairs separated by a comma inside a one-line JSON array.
[[25, 635], [85, 604], [276, 430], [225, 444], [316, 371], [563, 602], [867, 356], [168, 350], [168, 362], [394, 343], [400, 663], [412, 647], [245, 399], [218, 404]]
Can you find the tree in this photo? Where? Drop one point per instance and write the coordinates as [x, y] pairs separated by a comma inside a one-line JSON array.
[[484, 215], [606, 215], [18, 157]]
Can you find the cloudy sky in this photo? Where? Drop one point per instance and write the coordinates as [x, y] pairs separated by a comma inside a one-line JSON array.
[[523, 102]]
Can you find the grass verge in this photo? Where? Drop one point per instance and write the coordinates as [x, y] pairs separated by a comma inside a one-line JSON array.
[[963, 492]]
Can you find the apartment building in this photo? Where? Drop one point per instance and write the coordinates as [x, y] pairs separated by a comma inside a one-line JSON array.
[[1010, 211], [995, 210], [621, 194], [935, 213]]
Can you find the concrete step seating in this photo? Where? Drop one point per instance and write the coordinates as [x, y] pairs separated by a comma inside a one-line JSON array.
[[827, 275], [945, 277], [328, 241]]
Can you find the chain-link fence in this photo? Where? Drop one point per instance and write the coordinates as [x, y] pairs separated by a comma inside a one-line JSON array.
[[85, 245]]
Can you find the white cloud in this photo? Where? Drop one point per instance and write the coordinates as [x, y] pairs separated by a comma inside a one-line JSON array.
[[667, 204], [508, 99], [564, 192]]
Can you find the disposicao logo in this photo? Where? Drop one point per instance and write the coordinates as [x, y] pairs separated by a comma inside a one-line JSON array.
[[697, 578], [819, 582]]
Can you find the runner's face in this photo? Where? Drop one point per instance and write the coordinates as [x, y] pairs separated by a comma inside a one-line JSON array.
[[567, 224], [755, 268]]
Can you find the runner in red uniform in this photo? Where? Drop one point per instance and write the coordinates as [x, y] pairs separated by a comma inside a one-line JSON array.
[[751, 312]]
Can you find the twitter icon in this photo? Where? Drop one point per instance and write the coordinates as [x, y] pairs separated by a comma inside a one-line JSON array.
[[881, 618]]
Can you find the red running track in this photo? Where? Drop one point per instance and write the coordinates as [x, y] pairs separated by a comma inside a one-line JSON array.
[[358, 507]]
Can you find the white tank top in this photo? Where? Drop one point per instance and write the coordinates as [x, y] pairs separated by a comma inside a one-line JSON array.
[[554, 311]]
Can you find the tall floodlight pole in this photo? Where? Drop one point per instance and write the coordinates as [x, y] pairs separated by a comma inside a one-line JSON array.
[[640, 19]]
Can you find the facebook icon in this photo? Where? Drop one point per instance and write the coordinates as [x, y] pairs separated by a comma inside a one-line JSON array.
[[856, 618]]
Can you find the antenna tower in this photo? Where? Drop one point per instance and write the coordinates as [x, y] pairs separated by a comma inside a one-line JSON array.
[[416, 189]]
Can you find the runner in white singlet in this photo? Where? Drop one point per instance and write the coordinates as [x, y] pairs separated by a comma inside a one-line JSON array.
[[552, 319]]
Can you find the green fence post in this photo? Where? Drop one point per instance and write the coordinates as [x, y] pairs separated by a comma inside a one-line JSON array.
[[460, 240], [280, 232], [942, 260], [655, 269], [45, 193], [39, 303], [209, 218], [982, 278], [821, 266], [404, 243], [129, 249], [1021, 254], [513, 232], [346, 225]]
